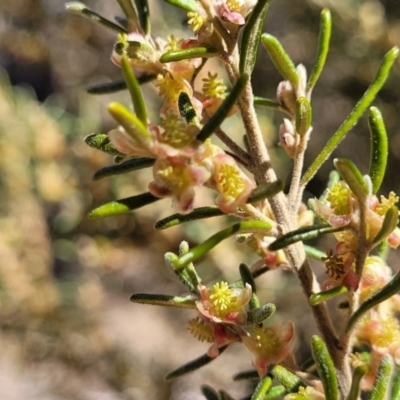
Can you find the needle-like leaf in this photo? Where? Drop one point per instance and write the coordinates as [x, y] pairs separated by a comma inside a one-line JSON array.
[[355, 114]]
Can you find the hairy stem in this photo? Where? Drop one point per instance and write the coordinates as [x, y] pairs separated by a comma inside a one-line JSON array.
[[261, 165]]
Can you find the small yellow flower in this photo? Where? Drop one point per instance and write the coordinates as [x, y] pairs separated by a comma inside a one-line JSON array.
[[213, 87], [196, 21], [223, 299], [230, 180], [223, 304], [170, 88], [385, 204], [269, 344], [339, 198], [234, 5], [173, 44], [175, 131]]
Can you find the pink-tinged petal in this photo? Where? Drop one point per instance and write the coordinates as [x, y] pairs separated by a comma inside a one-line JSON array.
[[233, 17], [158, 190], [226, 15], [223, 336], [394, 239], [373, 202], [339, 220], [351, 281], [183, 201], [127, 145], [189, 43]]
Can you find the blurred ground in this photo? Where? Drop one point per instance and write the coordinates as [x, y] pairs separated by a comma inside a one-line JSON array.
[[68, 330]]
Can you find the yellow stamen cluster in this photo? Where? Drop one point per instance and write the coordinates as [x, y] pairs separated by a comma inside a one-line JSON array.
[[200, 330], [267, 342], [174, 176], [175, 132], [169, 88], [389, 334], [213, 87], [230, 181], [385, 204], [223, 299], [339, 197], [173, 44], [334, 265], [196, 21], [234, 5]]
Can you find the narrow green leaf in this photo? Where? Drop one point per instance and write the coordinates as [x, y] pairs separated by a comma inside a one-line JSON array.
[[327, 295], [134, 90], [281, 59], [358, 374], [188, 275], [323, 48], [130, 122], [197, 213], [262, 388], [325, 367], [187, 5], [247, 276], [81, 9], [314, 253], [258, 315], [379, 148], [216, 120], [289, 381], [143, 13], [253, 374], [303, 233], [355, 114], [193, 52], [203, 248], [392, 288], [264, 191], [251, 37], [395, 391], [275, 392], [263, 102], [186, 109], [129, 10], [383, 250], [353, 177], [123, 206], [133, 164], [303, 115], [105, 88], [258, 272], [163, 300], [209, 393], [224, 395], [100, 141], [117, 86], [192, 365], [382, 379], [389, 224]]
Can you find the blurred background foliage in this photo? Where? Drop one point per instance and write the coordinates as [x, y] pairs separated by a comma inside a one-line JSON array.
[[67, 329]]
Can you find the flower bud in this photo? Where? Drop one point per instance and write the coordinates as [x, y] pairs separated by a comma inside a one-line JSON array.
[[287, 137]]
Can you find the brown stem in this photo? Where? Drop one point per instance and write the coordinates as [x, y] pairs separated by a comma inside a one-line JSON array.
[[296, 256]]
